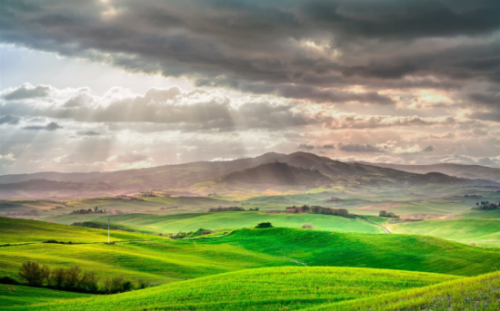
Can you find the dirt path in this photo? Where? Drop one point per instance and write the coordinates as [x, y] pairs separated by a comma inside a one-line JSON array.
[[385, 229]]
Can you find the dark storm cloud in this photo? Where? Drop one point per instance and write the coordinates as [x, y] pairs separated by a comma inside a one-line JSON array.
[[9, 120], [52, 126], [25, 92], [359, 148], [428, 149], [295, 49]]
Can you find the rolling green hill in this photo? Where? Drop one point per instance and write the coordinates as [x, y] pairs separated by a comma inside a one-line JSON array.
[[287, 288], [16, 231], [17, 295], [477, 293], [391, 251], [224, 220], [481, 231]]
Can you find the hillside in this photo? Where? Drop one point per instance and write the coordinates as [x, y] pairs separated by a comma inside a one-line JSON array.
[[484, 232], [17, 295], [234, 220], [277, 174], [385, 251], [16, 231], [477, 293], [288, 288], [186, 178], [452, 169]]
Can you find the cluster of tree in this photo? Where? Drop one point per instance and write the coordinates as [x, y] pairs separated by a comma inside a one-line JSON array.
[[264, 225], [329, 211], [386, 214], [487, 206], [72, 279], [96, 210], [230, 209]]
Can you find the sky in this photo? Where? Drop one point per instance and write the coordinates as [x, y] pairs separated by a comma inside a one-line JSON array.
[[108, 85]]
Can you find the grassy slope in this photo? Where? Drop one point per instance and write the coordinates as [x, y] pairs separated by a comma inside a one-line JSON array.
[[16, 295], [15, 231], [286, 288], [461, 230], [477, 293], [394, 251], [482, 214], [222, 220], [157, 261]]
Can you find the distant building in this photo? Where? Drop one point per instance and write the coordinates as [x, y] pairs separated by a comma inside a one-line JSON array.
[[293, 209]]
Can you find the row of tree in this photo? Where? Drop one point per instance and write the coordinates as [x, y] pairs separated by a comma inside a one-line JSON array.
[[72, 279], [231, 209], [388, 214], [487, 206], [96, 210]]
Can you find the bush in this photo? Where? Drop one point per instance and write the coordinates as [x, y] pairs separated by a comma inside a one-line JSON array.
[[143, 283], [264, 225], [117, 285], [57, 278], [89, 282], [307, 226], [72, 278], [33, 273], [8, 280]]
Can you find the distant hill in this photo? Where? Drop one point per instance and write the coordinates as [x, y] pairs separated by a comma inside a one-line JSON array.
[[302, 169], [452, 169], [278, 174]]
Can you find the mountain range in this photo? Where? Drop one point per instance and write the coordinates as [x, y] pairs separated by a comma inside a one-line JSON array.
[[271, 169]]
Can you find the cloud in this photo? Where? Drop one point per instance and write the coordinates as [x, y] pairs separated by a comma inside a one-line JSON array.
[[9, 120], [327, 146], [52, 126], [88, 133], [428, 149], [306, 147], [27, 91], [359, 148], [305, 50]]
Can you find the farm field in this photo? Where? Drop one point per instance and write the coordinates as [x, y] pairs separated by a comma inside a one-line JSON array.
[[293, 288], [18, 231], [484, 232], [240, 219]]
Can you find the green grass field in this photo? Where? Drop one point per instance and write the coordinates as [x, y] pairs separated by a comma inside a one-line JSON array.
[[484, 232], [477, 293], [17, 295], [286, 288], [18, 231], [224, 220]]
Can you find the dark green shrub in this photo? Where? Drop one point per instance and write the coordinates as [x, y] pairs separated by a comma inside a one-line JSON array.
[[8, 280], [33, 273], [264, 225]]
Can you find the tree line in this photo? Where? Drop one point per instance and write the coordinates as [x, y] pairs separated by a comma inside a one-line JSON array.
[[73, 279], [231, 209], [487, 206]]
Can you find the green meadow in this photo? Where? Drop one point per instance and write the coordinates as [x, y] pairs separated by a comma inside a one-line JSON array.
[[18, 295], [225, 220], [485, 232], [284, 288]]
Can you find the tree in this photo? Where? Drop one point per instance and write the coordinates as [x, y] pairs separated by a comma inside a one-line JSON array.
[[72, 279], [264, 225], [382, 214], [89, 282], [57, 277], [33, 273]]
